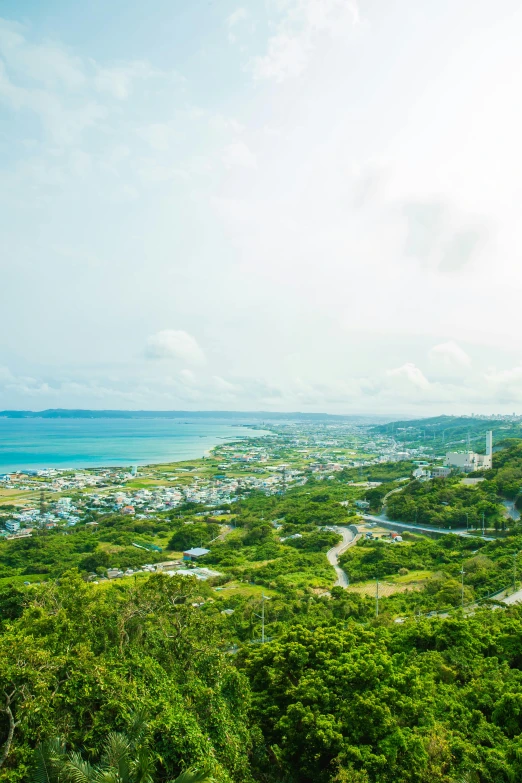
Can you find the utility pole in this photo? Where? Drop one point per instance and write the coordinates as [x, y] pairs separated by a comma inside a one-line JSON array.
[[467, 521], [515, 571], [462, 585], [262, 616], [262, 619], [376, 597], [483, 531], [263, 599]]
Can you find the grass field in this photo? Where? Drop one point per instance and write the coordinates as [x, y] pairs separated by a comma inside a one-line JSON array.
[[17, 496], [20, 579], [241, 588], [386, 588]]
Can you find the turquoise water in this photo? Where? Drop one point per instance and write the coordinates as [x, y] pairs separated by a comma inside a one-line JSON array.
[[77, 443]]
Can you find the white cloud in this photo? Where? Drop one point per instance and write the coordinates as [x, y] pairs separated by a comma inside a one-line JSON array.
[[118, 80], [62, 122], [222, 385], [504, 386], [47, 63], [188, 377], [6, 376], [438, 235], [174, 344], [412, 375], [451, 355], [239, 154], [60, 87], [302, 26], [237, 16]]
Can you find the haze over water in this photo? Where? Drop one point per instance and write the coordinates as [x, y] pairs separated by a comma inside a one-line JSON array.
[[76, 443]]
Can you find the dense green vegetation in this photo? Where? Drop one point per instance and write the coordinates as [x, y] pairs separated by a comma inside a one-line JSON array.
[[336, 695], [431, 701], [445, 502], [384, 471], [80, 660]]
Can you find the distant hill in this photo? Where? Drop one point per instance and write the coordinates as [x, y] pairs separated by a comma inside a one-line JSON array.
[[66, 413], [452, 431]]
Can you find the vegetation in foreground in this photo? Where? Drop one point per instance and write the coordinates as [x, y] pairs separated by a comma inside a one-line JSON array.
[[337, 696]]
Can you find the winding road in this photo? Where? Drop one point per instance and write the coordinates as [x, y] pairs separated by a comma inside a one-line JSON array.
[[349, 538], [384, 522]]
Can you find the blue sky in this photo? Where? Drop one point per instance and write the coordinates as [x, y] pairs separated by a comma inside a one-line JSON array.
[[280, 204]]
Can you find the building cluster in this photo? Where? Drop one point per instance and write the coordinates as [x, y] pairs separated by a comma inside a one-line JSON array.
[[22, 524], [170, 568], [58, 480]]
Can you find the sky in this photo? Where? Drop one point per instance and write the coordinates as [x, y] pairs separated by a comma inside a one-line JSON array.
[[306, 205]]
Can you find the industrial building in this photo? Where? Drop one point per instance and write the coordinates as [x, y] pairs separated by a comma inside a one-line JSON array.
[[468, 461]]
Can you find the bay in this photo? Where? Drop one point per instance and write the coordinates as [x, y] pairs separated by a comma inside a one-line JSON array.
[[82, 443]]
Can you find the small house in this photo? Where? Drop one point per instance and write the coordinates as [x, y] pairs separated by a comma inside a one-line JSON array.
[[195, 553]]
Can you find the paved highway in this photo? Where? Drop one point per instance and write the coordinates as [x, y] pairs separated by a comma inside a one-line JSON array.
[[424, 528], [333, 554]]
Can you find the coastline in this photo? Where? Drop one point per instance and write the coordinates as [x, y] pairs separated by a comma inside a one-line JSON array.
[[98, 444]]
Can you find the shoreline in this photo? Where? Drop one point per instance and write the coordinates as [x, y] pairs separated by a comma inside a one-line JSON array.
[[125, 463]]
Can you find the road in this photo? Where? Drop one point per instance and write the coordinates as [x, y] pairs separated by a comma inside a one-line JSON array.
[[511, 510], [514, 598], [393, 492], [423, 528], [333, 554]]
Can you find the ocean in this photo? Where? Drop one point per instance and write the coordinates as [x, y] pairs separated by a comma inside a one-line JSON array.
[[90, 443]]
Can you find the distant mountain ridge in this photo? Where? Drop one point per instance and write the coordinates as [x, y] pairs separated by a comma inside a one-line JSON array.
[[65, 413]]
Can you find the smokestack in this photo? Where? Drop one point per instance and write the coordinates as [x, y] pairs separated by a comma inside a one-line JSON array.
[[489, 443]]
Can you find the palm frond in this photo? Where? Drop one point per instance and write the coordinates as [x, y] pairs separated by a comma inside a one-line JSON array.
[[48, 759], [142, 767], [76, 770], [466, 777], [116, 754], [194, 776], [137, 725], [106, 776]]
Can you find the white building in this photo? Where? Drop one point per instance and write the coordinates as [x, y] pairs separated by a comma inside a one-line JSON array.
[[468, 461], [440, 472]]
